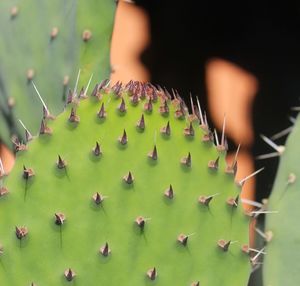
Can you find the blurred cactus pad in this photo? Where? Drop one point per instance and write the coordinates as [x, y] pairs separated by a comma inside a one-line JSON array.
[[125, 187], [48, 42], [281, 264]]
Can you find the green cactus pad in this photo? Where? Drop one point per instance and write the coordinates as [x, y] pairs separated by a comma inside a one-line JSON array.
[[48, 42], [281, 264], [123, 188]]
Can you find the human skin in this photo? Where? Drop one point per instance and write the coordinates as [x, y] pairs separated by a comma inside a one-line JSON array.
[[231, 92], [131, 36], [7, 158]]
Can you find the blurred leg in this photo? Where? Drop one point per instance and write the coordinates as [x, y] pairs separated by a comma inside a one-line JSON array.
[[7, 158], [231, 91], [131, 35]]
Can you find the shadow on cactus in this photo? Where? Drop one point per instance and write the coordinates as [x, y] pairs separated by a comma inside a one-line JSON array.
[[124, 187], [47, 42]]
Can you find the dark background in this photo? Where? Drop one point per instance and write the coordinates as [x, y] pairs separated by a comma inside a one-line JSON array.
[[260, 37]]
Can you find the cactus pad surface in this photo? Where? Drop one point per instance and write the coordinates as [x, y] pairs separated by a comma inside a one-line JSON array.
[[123, 188], [281, 266]]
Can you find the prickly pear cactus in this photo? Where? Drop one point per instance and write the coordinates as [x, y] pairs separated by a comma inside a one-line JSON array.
[[281, 266], [48, 42], [126, 188]]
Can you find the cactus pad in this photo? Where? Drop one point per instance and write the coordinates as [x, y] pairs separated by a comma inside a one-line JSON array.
[[281, 266], [123, 188], [47, 42]]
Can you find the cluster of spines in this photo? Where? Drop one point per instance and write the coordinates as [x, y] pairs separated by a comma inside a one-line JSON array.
[[137, 91]]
